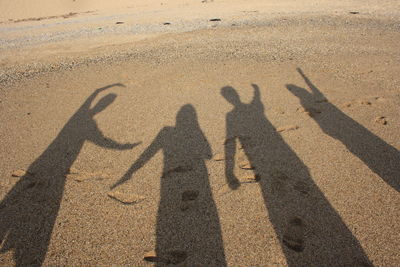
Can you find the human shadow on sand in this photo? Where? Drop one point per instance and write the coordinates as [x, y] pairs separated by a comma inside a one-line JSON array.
[[188, 228], [380, 157], [28, 212], [310, 231]]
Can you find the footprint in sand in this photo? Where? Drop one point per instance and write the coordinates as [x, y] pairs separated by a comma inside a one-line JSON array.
[[365, 102], [188, 197], [381, 120], [293, 237], [301, 187]]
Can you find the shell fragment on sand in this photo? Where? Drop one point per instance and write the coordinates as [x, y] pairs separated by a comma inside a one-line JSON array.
[[125, 198], [287, 128], [218, 157], [246, 165], [254, 178], [20, 173], [151, 256], [171, 257]]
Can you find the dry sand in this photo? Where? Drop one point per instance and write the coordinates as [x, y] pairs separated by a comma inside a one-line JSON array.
[[269, 138]]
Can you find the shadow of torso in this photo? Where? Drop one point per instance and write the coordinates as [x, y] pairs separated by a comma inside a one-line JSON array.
[[309, 229]]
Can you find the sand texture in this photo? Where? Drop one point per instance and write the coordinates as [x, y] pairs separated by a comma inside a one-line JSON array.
[[199, 133]]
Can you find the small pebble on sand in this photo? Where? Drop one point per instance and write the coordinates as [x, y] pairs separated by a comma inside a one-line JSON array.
[[287, 128], [246, 165], [218, 157], [19, 173]]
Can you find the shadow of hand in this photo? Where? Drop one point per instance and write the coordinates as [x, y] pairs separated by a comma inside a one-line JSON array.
[[233, 182], [129, 145]]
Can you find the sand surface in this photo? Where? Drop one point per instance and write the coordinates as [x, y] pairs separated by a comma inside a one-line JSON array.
[[268, 138]]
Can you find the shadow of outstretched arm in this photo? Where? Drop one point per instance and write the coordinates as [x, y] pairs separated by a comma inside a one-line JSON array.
[[379, 156], [150, 151], [99, 139], [315, 92]]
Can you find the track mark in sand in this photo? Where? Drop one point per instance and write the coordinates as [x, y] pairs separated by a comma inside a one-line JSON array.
[[190, 195], [312, 112], [322, 100], [293, 237], [348, 104], [379, 98], [125, 198], [179, 169], [287, 128], [80, 176], [65, 16], [232, 138], [279, 183], [365, 102], [381, 120], [301, 187], [176, 256]]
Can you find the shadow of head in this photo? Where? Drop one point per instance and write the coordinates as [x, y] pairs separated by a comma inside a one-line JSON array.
[[186, 116], [230, 94], [299, 92], [103, 103]]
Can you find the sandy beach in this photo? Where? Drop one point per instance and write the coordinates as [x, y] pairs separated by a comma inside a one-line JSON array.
[[199, 133]]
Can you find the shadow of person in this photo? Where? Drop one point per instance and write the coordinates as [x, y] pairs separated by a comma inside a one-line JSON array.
[[379, 156], [310, 231], [28, 212], [188, 228]]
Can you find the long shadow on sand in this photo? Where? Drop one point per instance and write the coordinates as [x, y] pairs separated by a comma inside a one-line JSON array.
[[188, 227], [309, 229], [29, 210], [379, 156]]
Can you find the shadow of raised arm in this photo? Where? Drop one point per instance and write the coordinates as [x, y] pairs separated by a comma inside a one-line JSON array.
[[315, 92]]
